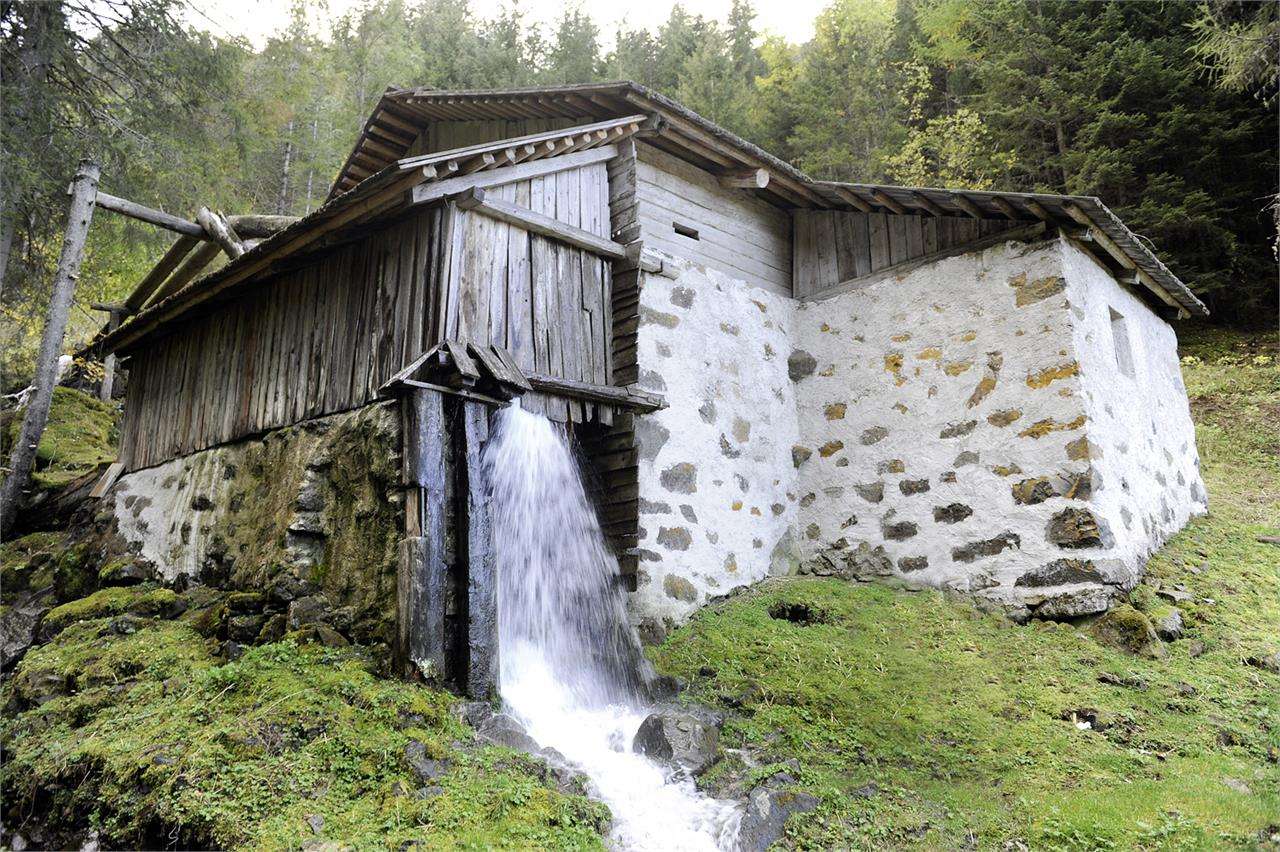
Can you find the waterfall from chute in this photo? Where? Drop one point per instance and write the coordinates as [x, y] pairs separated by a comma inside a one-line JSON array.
[[571, 670]]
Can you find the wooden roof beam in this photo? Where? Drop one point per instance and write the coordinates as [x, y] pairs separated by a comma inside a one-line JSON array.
[[175, 254], [924, 203], [885, 201], [967, 205], [744, 178], [853, 198], [151, 216], [1038, 210], [1009, 211]]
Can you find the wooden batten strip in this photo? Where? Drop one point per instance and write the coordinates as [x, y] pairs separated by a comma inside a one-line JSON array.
[[539, 223]]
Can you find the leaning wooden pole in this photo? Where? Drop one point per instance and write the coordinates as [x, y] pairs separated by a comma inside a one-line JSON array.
[[84, 190]]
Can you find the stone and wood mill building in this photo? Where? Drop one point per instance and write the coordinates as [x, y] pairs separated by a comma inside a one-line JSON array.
[[767, 374]]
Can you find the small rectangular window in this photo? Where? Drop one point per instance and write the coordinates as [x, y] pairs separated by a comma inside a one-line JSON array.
[[685, 230], [1120, 338]]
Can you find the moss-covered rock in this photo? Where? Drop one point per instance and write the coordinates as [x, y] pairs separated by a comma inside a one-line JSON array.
[[137, 731], [27, 564], [1127, 629], [145, 600]]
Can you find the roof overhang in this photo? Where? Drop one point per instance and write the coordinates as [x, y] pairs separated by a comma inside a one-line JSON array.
[[402, 114], [402, 185], [378, 180]]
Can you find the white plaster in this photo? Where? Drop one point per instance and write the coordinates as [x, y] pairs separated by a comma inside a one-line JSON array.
[[156, 510], [728, 348], [949, 322], [1141, 424], [945, 315]]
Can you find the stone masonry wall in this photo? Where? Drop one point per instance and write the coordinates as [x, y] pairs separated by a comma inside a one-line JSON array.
[[1142, 441], [717, 496], [953, 423], [309, 512]]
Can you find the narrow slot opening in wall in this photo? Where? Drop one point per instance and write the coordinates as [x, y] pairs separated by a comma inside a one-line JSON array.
[[1120, 338], [685, 230]]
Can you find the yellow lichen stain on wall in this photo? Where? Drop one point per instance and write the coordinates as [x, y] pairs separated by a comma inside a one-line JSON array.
[[1049, 375], [1044, 427], [893, 364]]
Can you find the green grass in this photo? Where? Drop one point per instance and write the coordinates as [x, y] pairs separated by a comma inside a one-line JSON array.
[[963, 720], [152, 740]]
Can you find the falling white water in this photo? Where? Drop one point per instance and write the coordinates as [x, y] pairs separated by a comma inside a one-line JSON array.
[[571, 670]]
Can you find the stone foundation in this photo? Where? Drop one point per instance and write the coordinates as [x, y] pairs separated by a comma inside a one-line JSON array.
[[310, 515]]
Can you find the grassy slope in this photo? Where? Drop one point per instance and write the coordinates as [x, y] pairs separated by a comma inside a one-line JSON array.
[[957, 716], [80, 435]]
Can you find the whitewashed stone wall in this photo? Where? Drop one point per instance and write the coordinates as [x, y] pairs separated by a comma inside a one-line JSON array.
[[955, 426], [717, 496], [964, 425], [1142, 439]]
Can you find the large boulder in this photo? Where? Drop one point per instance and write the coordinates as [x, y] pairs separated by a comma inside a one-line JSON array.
[[678, 737], [18, 625], [766, 816]]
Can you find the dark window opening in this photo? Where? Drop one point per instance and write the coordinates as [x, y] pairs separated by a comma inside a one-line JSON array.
[[685, 230]]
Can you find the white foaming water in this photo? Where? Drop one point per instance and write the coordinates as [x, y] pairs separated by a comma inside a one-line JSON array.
[[570, 666]]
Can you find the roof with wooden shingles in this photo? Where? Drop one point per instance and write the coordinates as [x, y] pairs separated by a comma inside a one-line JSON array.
[[377, 177]]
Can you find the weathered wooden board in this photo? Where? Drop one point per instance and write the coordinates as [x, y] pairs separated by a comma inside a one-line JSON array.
[[323, 336], [835, 246]]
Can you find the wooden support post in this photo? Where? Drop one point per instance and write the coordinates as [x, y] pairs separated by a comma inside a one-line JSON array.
[[423, 572], [109, 363], [482, 577], [84, 189]]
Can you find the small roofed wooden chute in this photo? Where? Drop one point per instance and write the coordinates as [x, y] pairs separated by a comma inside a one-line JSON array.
[[484, 372]]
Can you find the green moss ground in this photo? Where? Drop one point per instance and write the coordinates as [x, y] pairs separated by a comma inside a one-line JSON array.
[[150, 739], [962, 721], [80, 435]]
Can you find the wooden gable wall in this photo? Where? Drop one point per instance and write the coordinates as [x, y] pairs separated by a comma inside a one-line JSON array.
[[322, 338]]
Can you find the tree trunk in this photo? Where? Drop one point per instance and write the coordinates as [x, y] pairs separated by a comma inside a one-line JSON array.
[[8, 225], [311, 165], [282, 203], [84, 188]]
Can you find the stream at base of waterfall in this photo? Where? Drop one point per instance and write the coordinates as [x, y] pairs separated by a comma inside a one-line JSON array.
[[571, 669]]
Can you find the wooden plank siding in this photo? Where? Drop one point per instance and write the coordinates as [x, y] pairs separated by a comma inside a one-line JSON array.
[[737, 233], [323, 337], [836, 246]]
